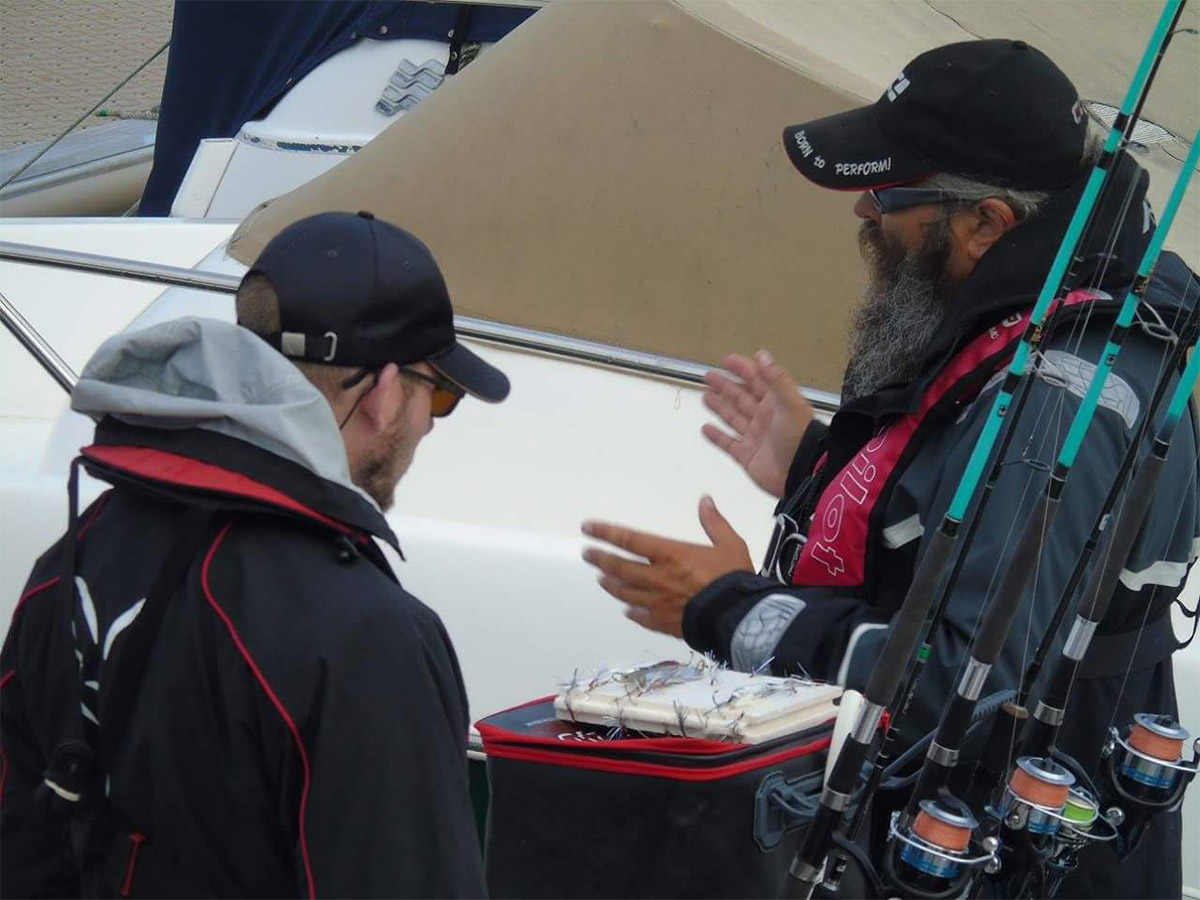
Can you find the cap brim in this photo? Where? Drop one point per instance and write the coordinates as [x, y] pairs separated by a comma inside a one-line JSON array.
[[472, 374], [849, 152]]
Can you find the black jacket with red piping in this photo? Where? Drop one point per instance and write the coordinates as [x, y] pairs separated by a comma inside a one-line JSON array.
[[301, 721]]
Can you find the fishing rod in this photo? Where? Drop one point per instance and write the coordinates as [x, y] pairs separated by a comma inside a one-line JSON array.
[[1014, 713], [809, 863], [994, 761], [1048, 713], [1050, 809], [909, 691], [998, 616]]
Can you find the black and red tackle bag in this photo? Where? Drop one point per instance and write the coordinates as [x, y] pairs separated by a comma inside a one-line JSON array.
[[576, 814]]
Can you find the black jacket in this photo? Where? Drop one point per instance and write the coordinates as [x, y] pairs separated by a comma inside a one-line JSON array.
[[300, 728], [837, 634]]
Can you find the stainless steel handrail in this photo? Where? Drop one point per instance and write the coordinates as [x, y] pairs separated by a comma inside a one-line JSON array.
[[32, 341], [137, 270], [480, 329]]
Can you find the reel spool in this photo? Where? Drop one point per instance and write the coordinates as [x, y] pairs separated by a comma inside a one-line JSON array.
[[1037, 795], [1083, 823], [1079, 814], [1149, 766], [935, 852]]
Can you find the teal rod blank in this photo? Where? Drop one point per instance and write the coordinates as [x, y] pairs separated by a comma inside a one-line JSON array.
[[1087, 409], [1051, 286]]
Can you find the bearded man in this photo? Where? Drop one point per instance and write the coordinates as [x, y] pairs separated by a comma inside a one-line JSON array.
[[969, 168], [214, 684]]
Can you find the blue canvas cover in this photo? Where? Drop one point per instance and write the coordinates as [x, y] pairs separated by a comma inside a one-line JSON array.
[[230, 60]]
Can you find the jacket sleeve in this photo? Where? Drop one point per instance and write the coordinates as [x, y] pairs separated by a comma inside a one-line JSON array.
[[389, 812], [35, 857], [748, 618]]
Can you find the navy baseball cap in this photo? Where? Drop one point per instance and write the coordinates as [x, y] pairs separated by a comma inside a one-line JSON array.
[[357, 291], [997, 111]]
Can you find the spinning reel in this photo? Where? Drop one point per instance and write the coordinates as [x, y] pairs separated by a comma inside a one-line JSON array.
[[1047, 818], [1146, 768], [937, 854]]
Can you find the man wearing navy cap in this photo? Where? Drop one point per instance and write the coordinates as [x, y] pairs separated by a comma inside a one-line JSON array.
[[214, 684], [965, 174], [324, 294]]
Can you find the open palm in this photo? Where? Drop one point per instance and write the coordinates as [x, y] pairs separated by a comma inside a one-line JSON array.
[[767, 413]]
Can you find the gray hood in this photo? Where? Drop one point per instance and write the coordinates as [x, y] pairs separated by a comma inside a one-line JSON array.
[[214, 375]]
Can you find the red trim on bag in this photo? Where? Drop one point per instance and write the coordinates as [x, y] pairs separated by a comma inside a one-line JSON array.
[[272, 696], [665, 744], [627, 767], [135, 838], [184, 471], [496, 735], [506, 744]]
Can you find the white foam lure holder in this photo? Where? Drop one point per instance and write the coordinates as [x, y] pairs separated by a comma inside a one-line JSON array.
[[698, 699]]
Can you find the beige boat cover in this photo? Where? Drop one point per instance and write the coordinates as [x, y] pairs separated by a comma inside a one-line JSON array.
[[613, 169]]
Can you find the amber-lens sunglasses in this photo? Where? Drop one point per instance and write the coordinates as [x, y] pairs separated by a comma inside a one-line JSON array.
[[446, 393]]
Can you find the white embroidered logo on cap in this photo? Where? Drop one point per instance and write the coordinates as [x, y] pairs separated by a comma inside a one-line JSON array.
[[870, 167], [898, 87]]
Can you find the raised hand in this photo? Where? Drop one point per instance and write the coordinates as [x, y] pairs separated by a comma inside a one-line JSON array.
[[656, 587], [767, 413]]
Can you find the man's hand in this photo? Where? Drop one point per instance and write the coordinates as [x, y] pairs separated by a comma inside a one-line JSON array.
[[658, 587], [767, 413]]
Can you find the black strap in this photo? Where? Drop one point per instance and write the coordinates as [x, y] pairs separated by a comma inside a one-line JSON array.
[[114, 853], [1112, 655], [123, 674]]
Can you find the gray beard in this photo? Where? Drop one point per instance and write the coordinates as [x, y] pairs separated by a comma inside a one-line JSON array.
[[903, 306]]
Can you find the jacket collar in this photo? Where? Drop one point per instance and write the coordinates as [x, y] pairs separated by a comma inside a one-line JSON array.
[[198, 466]]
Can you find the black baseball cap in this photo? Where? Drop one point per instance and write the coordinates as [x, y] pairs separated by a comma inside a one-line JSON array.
[[998, 111], [357, 291]]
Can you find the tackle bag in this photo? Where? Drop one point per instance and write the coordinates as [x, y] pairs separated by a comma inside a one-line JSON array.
[[578, 812]]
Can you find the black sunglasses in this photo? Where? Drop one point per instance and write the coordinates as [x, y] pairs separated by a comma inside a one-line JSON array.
[[446, 394], [890, 200]]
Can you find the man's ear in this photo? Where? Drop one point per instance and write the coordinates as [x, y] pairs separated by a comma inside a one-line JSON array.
[[987, 223], [382, 403]]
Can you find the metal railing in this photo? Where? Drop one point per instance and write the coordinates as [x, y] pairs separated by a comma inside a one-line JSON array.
[[32, 341], [513, 336]]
